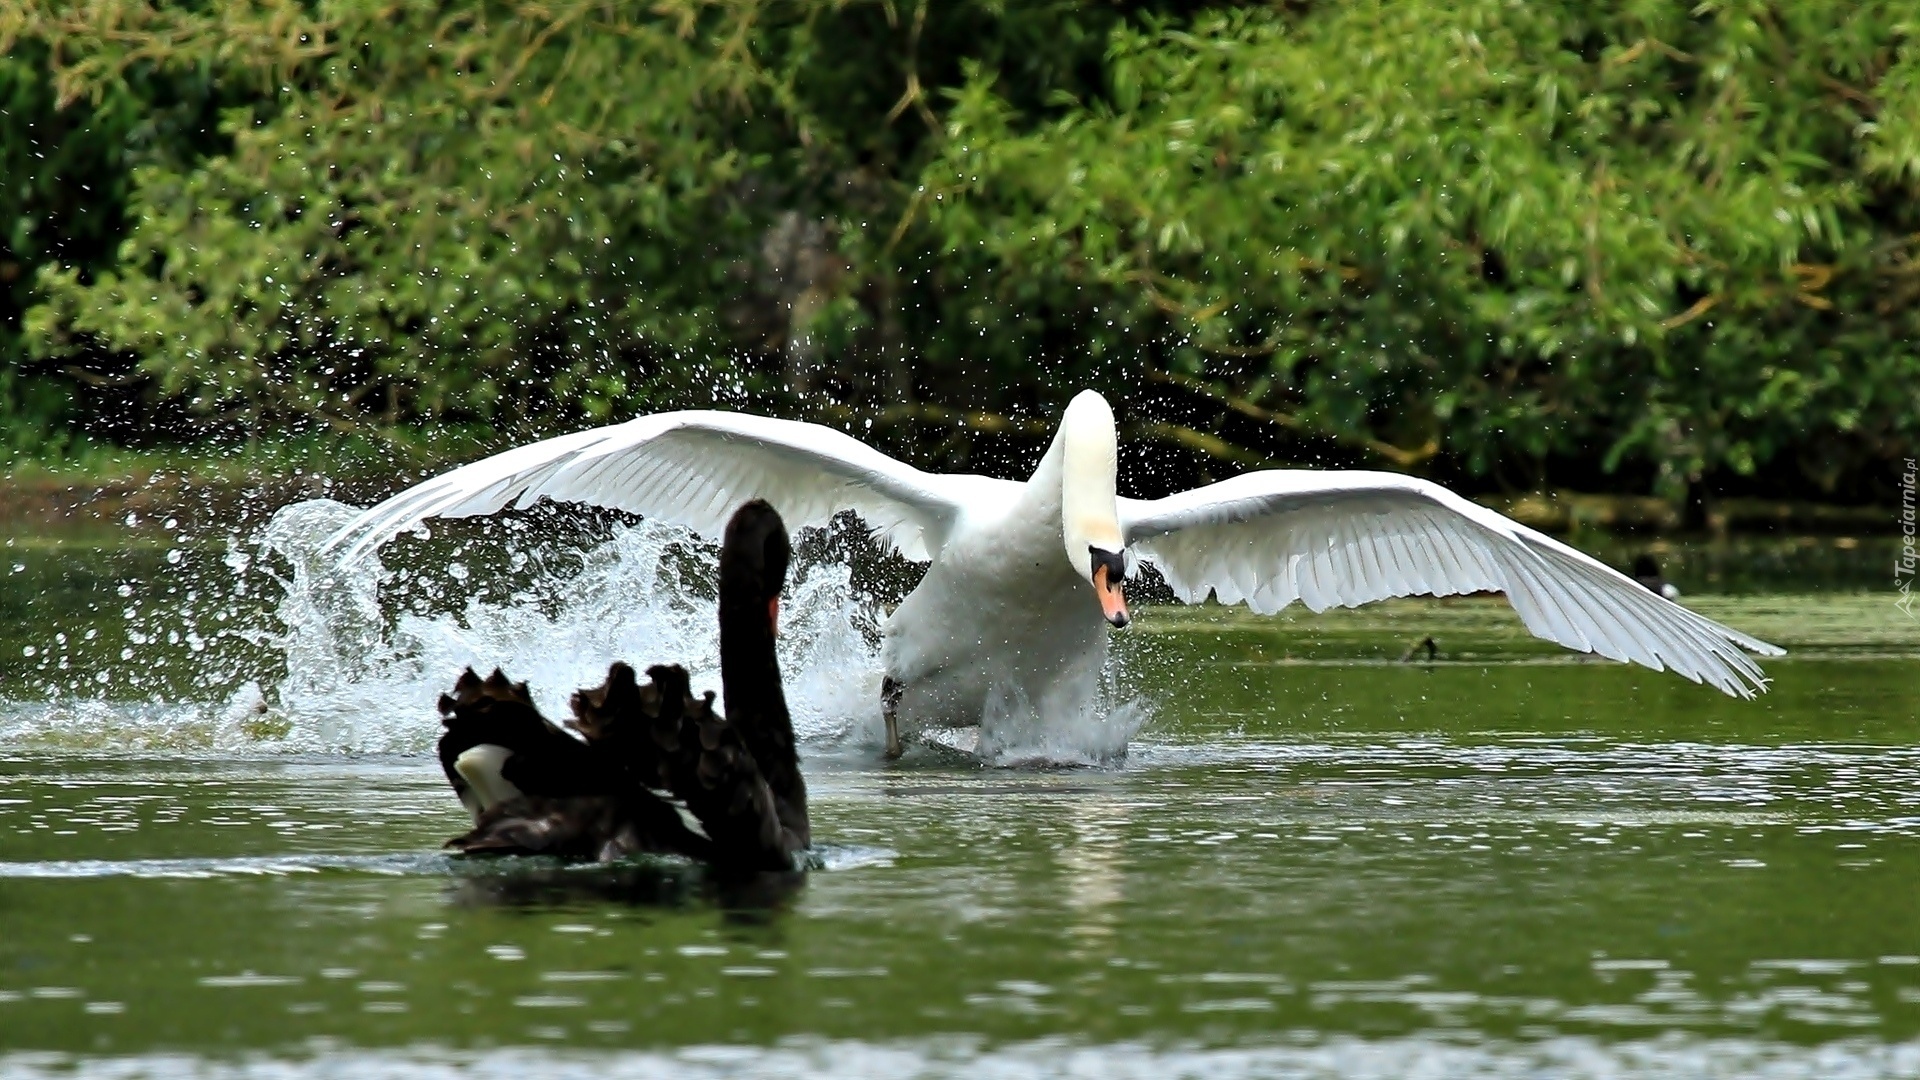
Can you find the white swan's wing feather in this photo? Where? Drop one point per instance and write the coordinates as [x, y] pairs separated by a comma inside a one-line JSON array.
[[1340, 539], [693, 468]]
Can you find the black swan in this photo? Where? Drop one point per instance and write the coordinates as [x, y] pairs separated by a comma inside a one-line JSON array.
[[611, 792], [1646, 571]]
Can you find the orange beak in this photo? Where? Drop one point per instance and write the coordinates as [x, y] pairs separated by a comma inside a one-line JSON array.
[[773, 616], [1112, 604]]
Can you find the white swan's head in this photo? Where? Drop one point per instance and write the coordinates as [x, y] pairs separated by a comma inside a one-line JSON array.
[[1089, 510]]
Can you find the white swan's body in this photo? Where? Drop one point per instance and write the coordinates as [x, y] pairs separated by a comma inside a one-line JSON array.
[[1000, 607]]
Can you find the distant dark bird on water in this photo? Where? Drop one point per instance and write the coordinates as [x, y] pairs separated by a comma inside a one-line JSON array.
[[1424, 645], [612, 792], [1647, 572]]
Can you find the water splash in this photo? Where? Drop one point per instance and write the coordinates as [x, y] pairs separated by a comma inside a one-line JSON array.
[[356, 681], [1078, 722]]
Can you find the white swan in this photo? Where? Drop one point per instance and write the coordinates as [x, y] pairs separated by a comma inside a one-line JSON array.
[[1025, 577]]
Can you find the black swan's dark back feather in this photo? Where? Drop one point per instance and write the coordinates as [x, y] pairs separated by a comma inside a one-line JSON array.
[[643, 736], [712, 770], [544, 759], [587, 827], [608, 811], [619, 718]]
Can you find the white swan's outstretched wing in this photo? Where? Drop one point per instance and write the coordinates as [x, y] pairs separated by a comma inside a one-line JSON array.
[[693, 468], [1340, 539]]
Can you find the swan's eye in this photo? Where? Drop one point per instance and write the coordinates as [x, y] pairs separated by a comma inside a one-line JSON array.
[[1114, 561]]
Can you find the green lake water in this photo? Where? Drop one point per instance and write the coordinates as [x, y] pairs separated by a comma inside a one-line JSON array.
[[1316, 860]]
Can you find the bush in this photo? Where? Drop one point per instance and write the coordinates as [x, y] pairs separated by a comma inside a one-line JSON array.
[[1645, 247]]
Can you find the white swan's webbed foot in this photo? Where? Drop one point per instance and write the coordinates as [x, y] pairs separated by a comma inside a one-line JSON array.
[[890, 692]]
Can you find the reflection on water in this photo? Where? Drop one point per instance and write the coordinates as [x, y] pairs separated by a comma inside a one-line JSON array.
[[1095, 865], [532, 884]]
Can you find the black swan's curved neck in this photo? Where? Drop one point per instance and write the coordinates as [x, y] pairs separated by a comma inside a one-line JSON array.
[[753, 567], [749, 668]]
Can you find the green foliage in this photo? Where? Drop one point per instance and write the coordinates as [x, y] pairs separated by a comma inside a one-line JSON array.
[[67, 166], [1515, 231], [1641, 245], [416, 213]]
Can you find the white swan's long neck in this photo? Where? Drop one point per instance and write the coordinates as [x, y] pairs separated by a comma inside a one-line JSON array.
[[1089, 448]]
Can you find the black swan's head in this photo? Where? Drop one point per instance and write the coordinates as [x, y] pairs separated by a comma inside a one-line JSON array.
[[753, 560]]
